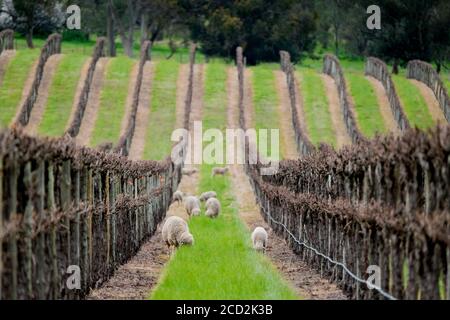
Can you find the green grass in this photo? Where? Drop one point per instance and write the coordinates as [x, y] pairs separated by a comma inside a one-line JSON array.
[[265, 102], [13, 83], [61, 95], [162, 111], [112, 101], [221, 264], [413, 103], [315, 105], [160, 50], [215, 96], [367, 109]]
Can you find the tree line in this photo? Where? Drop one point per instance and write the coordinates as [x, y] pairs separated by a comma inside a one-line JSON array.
[[410, 29]]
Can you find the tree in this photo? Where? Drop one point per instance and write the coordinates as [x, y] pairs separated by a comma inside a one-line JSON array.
[[157, 16], [411, 29], [261, 27], [30, 15], [125, 16]]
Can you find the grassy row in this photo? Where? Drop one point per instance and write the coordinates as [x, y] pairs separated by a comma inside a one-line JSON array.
[[367, 109], [413, 102], [265, 102], [61, 95], [113, 101], [160, 50], [221, 264], [315, 106], [162, 111], [11, 89]]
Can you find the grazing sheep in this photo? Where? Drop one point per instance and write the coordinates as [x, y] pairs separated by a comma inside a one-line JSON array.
[[178, 197], [175, 233], [212, 208], [259, 239], [189, 171], [192, 205], [219, 171], [206, 195]]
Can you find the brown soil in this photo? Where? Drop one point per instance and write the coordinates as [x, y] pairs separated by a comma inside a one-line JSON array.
[[143, 113], [385, 106], [135, 279], [90, 114], [299, 104], [5, 57], [249, 113], [182, 86], [41, 101], [81, 82], [433, 104], [129, 102], [342, 137], [26, 89], [307, 282], [288, 144]]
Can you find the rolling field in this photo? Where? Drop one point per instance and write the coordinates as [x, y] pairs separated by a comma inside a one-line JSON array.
[[11, 90], [366, 105], [222, 252], [413, 103], [162, 111], [113, 101], [61, 96], [265, 104], [222, 263], [315, 107]]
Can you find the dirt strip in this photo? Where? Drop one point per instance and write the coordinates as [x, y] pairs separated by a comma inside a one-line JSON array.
[[433, 104], [288, 144], [5, 58], [41, 101], [143, 112], [79, 90], [26, 89], [299, 104], [129, 102], [90, 114], [342, 137], [135, 279], [385, 106], [307, 282], [182, 86]]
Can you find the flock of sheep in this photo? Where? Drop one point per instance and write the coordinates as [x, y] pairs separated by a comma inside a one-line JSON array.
[[175, 231]]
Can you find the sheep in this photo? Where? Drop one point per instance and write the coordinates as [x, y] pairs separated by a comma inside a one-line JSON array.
[[189, 171], [178, 197], [206, 195], [175, 233], [219, 171], [212, 208], [192, 205], [259, 239]]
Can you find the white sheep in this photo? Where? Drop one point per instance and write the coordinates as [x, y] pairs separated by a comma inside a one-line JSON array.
[[178, 197], [192, 205], [212, 208], [175, 233], [219, 171], [259, 239], [189, 171], [206, 195]]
